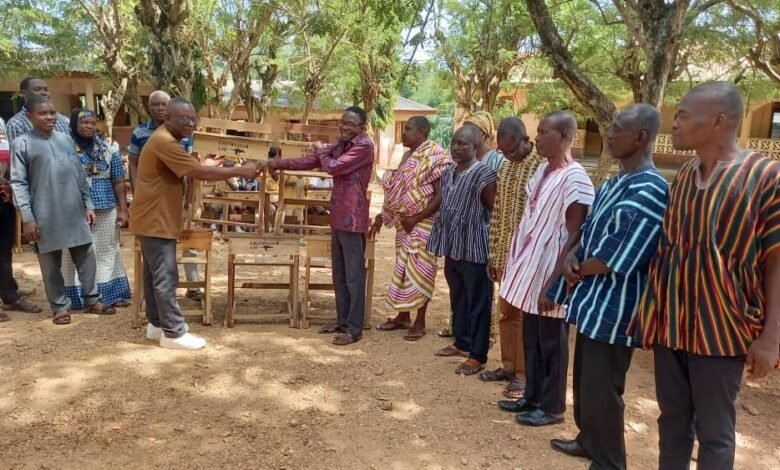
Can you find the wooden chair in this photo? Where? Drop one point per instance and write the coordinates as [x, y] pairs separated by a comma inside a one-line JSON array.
[[318, 256], [199, 241], [270, 251]]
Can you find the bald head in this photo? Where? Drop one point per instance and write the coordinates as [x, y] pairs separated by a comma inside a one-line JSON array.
[[420, 124], [513, 139], [181, 118], [465, 143], [643, 117], [722, 97], [511, 127], [632, 134], [708, 115], [564, 122]]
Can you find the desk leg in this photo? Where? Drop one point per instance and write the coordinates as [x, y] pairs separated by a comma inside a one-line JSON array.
[[207, 290], [231, 289]]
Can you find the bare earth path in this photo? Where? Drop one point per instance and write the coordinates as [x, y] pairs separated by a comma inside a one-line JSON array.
[[96, 394]]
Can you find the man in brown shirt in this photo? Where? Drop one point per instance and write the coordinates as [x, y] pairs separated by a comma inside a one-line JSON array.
[[155, 218]]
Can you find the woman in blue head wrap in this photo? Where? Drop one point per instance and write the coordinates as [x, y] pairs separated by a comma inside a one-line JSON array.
[[106, 176]]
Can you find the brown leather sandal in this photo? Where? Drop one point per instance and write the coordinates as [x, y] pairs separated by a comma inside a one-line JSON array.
[[99, 308], [61, 317]]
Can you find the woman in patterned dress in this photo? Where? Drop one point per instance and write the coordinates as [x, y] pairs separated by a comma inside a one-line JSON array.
[[106, 176]]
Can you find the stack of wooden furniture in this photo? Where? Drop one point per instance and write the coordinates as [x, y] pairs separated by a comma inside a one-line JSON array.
[[261, 244]]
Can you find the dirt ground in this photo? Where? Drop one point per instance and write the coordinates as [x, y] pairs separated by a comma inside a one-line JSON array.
[[96, 394]]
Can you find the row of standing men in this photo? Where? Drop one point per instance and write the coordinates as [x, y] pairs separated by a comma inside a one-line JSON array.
[[685, 270]]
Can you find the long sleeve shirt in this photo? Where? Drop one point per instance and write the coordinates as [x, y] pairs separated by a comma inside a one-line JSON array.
[[350, 163], [50, 188], [20, 124]]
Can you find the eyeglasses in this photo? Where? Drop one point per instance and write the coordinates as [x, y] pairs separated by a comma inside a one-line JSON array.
[[185, 120], [343, 123]]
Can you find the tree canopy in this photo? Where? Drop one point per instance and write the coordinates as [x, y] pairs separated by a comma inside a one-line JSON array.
[[457, 56]]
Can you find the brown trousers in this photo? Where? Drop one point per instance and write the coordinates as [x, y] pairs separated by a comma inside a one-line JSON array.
[[510, 328]]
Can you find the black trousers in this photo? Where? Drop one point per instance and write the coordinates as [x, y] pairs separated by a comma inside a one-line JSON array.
[[348, 252], [599, 381], [9, 293], [696, 395], [471, 300], [545, 341]]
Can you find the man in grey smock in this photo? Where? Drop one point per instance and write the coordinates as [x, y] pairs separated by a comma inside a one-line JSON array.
[[51, 191]]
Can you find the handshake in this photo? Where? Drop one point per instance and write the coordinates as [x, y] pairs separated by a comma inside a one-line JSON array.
[[247, 169]]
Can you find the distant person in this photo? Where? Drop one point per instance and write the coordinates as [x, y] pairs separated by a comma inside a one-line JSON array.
[[158, 102], [20, 123], [156, 219], [350, 162], [606, 273], [60, 219], [513, 177], [712, 304], [559, 195], [460, 235], [9, 290], [412, 199], [106, 177]]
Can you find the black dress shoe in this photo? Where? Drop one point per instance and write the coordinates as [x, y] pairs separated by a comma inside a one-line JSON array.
[[538, 418], [516, 406], [571, 448]]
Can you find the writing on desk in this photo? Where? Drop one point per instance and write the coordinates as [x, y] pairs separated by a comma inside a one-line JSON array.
[[231, 146]]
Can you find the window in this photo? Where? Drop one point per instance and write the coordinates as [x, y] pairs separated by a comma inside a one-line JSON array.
[[774, 130]]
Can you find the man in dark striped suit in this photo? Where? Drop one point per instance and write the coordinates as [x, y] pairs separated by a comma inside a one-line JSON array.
[[712, 305]]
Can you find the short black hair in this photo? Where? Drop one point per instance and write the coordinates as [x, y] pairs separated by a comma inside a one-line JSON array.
[[179, 100], [512, 125], [359, 112], [274, 152], [473, 132], [34, 101], [645, 117], [25, 83], [564, 122], [725, 96], [422, 124]]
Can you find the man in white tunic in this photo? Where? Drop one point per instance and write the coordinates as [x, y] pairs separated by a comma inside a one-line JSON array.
[[51, 191]]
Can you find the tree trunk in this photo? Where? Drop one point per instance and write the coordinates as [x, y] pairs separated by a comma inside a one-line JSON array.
[[133, 102], [111, 103], [172, 65]]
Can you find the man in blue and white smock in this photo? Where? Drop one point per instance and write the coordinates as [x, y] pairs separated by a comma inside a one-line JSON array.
[[606, 273]]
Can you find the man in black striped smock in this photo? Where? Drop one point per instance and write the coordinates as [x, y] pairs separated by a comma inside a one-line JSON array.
[[460, 234]]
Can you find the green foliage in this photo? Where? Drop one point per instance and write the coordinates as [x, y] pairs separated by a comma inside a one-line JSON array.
[[43, 37], [482, 42], [432, 85]]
